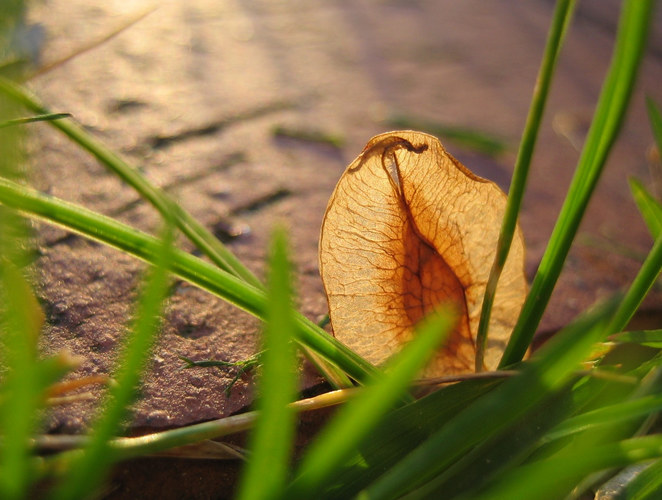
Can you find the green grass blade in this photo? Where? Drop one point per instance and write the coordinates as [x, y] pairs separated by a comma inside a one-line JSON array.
[[647, 485], [546, 373], [20, 321], [499, 453], [354, 422], [271, 445], [403, 430], [196, 271], [555, 477], [605, 416], [88, 469], [652, 338], [562, 16], [202, 238], [22, 392], [609, 116], [622, 416], [32, 119], [642, 283], [649, 207]]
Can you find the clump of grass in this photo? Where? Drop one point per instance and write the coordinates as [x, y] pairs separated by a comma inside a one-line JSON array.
[[551, 427]]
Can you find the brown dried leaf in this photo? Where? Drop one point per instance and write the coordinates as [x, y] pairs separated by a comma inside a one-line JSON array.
[[409, 227]]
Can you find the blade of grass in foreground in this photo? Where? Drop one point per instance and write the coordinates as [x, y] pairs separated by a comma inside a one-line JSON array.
[[20, 322], [555, 477], [192, 269], [606, 415], [355, 421], [554, 365], [88, 468], [647, 485], [271, 442], [630, 43], [21, 394], [401, 431], [562, 16], [652, 338], [499, 452], [32, 119]]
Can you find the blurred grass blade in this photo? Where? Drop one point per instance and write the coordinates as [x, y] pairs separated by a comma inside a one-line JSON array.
[[500, 452], [630, 43], [619, 429], [21, 318], [88, 468], [22, 387], [605, 416], [554, 365], [204, 240], [32, 119], [649, 207], [652, 338], [555, 477], [266, 473], [192, 269], [562, 16], [402, 430], [126, 24], [647, 485], [354, 422], [620, 413]]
